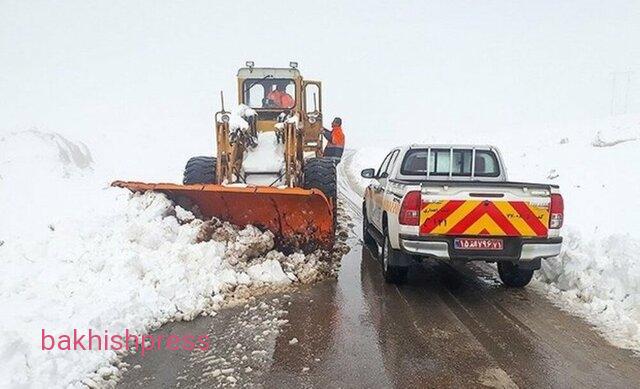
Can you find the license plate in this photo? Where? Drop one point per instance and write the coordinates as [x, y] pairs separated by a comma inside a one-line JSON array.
[[478, 244]]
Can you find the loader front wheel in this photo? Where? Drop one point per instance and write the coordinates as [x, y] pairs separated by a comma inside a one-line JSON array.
[[200, 170], [320, 173]]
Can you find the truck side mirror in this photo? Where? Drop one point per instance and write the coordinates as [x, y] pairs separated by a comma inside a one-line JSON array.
[[368, 173]]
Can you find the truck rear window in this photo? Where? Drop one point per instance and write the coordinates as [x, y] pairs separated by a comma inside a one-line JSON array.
[[443, 161]]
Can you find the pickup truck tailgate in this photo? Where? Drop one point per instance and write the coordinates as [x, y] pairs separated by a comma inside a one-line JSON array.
[[498, 213]]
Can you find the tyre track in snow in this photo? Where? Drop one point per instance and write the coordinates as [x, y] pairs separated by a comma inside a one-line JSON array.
[[449, 326]]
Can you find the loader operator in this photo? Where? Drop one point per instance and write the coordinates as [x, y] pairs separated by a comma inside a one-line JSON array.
[[279, 98], [335, 139]]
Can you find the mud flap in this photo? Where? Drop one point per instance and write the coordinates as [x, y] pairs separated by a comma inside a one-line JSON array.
[[300, 219]]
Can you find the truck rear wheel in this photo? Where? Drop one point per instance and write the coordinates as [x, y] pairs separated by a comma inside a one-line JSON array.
[[200, 170], [514, 276], [392, 273]]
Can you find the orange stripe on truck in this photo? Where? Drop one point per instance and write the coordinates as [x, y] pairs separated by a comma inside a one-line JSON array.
[[493, 218]]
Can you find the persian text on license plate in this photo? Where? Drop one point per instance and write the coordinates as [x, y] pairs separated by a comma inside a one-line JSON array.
[[478, 244]]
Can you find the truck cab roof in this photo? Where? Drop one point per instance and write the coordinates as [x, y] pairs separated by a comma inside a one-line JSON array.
[[453, 146], [448, 162]]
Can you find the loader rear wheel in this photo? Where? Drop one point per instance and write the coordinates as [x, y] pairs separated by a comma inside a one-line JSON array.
[[200, 170]]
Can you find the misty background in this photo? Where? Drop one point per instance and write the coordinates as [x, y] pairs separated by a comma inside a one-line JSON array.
[[142, 79]]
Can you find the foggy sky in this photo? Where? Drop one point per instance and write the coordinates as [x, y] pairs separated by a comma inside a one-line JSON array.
[[390, 69]]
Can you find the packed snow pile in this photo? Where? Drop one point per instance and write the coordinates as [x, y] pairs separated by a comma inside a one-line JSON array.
[[77, 254], [266, 156], [595, 163], [263, 154], [599, 278], [239, 116]]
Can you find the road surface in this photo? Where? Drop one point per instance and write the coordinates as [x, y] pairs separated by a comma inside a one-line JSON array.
[[447, 327]]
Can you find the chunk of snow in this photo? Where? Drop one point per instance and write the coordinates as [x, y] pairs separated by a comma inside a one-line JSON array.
[[238, 118], [268, 271], [244, 111], [294, 119], [183, 215]]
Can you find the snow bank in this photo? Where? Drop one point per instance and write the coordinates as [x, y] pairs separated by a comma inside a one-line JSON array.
[[133, 271], [32, 163], [597, 275], [364, 158], [78, 254], [599, 279], [51, 151]]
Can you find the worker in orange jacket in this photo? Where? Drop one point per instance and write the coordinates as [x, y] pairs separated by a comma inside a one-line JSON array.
[[280, 98], [335, 139]]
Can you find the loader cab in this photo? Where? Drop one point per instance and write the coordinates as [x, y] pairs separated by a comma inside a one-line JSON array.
[[272, 91], [257, 87], [267, 93]]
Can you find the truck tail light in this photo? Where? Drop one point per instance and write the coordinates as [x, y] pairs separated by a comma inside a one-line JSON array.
[[556, 210], [410, 209]]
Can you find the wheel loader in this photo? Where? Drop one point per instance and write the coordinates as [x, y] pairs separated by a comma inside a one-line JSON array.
[[268, 170]]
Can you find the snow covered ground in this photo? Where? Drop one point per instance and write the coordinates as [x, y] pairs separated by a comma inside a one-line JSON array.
[[596, 165], [77, 254]]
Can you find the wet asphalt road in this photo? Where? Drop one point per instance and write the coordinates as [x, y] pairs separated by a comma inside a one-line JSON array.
[[447, 327]]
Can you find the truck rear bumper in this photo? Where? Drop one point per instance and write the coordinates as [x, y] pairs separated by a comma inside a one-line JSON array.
[[540, 250], [435, 249], [515, 249]]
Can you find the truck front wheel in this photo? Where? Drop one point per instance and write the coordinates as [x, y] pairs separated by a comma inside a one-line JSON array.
[[366, 236], [392, 273], [514, 276]]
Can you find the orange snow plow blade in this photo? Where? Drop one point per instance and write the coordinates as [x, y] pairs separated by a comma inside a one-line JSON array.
[[299, 218]]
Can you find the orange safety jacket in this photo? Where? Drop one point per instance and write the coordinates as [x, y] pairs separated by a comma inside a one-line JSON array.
[[337, 137], [281, 99]]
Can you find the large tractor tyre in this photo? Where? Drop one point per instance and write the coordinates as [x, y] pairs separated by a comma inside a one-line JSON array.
[[320, 173], [391, 272], [366, 235], [514, 276], [200, 170]]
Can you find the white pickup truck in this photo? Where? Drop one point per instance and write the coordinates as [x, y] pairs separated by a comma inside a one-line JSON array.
[[454, 202]]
